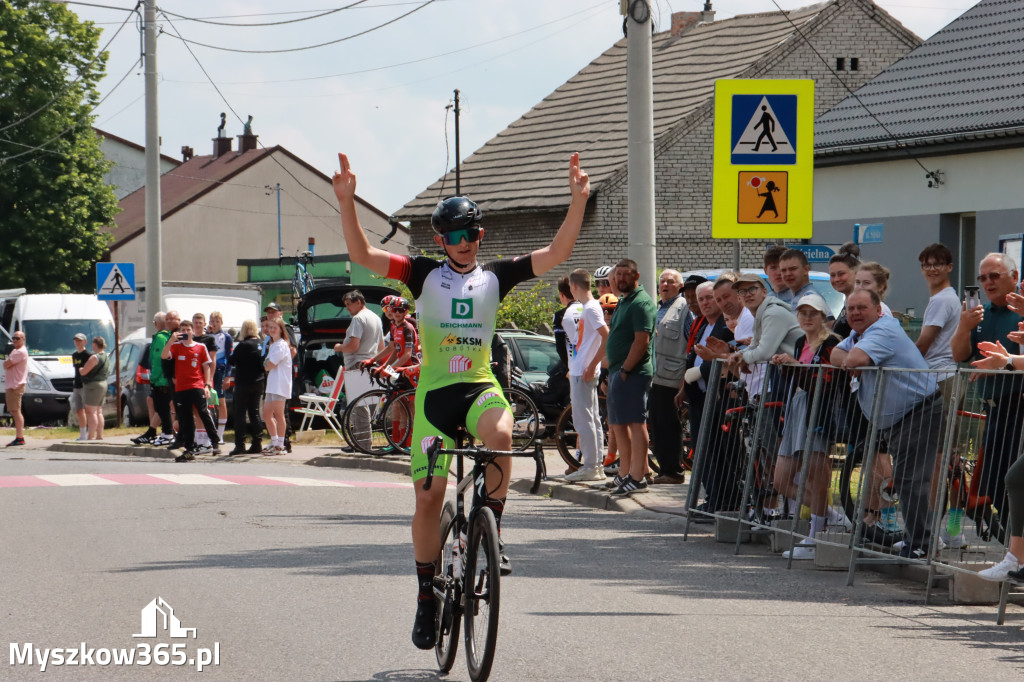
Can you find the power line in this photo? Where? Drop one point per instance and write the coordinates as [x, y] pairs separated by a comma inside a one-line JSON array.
[[73, 125], [270, 23], [899, 143], [573, 15], [81, 72], [306, 47], [270, 156]]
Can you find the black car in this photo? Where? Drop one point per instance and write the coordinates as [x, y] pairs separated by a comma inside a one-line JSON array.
[[322, 322]]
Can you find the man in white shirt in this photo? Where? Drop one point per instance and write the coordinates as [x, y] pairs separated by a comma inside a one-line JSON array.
[[363, 340], [586, 331]]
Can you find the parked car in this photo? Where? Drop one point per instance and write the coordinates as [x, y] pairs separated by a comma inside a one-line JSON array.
[[134, 386], [322, 322], [532, 353], [819, 280]]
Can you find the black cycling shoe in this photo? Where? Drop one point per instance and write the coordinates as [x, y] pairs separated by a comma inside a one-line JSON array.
[[424, 628]]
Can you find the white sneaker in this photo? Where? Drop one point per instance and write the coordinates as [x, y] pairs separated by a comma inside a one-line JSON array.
[[953, 542], [899, 545], [838, 518], [586, 474], [801, 552], [999, 572]]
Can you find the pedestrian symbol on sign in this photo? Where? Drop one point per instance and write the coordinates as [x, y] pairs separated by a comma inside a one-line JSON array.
[[764, 129], [115, 281]]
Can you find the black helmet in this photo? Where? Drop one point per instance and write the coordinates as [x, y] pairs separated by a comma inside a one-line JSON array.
[[455, 213]]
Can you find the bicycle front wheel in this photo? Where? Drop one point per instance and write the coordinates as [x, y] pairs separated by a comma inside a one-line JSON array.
[[525, 419], [483, 590], [448, 593], [565, 440], [366, 422]]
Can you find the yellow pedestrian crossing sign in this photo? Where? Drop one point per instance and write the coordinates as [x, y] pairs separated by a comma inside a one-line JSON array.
[[115, 281], [763, 184]]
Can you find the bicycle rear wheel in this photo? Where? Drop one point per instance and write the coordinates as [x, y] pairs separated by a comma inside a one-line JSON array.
[[482, 582], [448, 593], [400, 411], [565, 440], [367, 421], [526, 424]]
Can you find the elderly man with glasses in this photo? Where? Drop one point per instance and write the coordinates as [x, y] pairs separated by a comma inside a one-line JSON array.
[[1000, 391], [16, 366]]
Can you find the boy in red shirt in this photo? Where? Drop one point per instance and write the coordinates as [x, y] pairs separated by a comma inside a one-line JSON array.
[[193, 378]]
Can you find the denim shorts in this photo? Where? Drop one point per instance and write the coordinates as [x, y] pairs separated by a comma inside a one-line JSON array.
[[627, 398]]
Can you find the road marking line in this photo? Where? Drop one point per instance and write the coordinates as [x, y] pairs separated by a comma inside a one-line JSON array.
[[134, 479], [193, 479], [24, 482], [75, 479], [315, 482]]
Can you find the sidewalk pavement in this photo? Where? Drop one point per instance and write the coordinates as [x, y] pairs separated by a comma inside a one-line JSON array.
[[661, 499]]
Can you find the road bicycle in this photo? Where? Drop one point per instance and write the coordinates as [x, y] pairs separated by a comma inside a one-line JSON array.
[[302, 282], [566, 439], [390, 410], [467, 580]]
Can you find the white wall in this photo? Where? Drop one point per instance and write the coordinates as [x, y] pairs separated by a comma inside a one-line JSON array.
[[982, 181], [129, 170]]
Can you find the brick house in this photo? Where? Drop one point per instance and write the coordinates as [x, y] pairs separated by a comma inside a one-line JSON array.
[[519, 177]]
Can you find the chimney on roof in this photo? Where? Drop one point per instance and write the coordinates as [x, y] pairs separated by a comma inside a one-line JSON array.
[[684, 21], [247, 143], [187, 153], [221, 146]]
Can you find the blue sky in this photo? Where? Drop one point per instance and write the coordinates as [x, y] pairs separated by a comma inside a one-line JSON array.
[[379, 97]]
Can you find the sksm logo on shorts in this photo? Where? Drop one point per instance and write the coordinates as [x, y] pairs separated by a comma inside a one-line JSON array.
[[462, 308]]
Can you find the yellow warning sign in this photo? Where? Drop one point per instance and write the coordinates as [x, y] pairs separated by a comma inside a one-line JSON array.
[[763, 197], [763, 159]]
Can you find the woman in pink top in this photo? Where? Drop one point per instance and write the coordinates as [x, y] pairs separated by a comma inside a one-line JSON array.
[[16, 366]]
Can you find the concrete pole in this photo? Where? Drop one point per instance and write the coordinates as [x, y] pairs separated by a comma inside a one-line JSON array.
[[640, 136], [154, 268]]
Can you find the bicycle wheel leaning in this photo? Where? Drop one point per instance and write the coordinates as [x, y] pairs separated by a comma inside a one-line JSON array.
[[525, 419], [401, 412], [448, 593], [368, 420], [482, 582]]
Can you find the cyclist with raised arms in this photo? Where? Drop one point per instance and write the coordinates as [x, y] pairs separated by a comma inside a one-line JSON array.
[[457, 302]]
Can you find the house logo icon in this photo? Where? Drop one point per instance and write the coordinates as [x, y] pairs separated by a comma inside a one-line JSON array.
[[157, 616]]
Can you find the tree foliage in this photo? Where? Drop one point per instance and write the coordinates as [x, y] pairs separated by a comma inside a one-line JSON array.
[[54, 202], [528, 308]]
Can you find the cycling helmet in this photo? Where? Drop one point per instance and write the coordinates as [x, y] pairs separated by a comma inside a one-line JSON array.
[[455, 213], [609, 301], [603, 272], [387, 301], [398, 303]]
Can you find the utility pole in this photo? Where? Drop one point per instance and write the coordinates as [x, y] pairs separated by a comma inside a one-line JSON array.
[[640, 140], [458, 172], [154, 267]]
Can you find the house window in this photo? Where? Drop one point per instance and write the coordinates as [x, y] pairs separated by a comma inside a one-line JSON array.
[[840, 63], [854, 63]]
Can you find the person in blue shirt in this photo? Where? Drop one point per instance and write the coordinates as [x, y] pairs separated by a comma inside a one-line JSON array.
[[909, 418]]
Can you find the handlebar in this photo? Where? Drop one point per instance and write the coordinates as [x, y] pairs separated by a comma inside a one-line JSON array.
[[435, 450]]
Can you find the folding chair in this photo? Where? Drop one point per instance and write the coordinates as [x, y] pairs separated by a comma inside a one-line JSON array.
[[314, 406]]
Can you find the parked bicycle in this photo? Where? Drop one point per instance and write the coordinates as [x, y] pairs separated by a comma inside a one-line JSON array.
[[302, 282], [467, 583]]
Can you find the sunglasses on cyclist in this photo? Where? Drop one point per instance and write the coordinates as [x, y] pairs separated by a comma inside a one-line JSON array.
[[470, 234]]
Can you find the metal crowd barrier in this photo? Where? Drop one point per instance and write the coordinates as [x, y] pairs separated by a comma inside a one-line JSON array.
[[885, 476]]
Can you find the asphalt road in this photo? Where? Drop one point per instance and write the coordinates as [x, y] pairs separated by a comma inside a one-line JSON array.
[[304, 582]]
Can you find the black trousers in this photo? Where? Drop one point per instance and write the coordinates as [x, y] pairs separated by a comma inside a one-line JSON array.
[[666, 429], [162, 396], [247, 403], [184, 401]]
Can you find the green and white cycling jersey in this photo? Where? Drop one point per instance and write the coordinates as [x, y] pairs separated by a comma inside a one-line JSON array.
[[456, 314]]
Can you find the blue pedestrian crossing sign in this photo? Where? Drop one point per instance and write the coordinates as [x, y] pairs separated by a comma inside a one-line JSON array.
[[115, 281], [764, 129]]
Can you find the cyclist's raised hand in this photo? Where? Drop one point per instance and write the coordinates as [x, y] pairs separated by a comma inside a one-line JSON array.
[[579, 181], [344, 181]]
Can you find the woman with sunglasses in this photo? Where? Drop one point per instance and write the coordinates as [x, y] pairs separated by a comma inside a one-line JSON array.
[[457, 301]]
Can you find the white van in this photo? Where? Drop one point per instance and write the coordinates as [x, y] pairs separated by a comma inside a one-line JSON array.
[[50, 322]]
